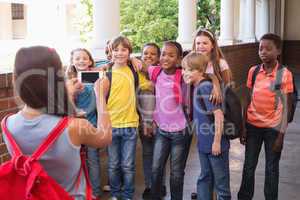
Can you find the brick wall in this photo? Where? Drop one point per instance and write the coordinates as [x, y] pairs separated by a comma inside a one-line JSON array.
[[240, 58], [291, 54], [7, 105]]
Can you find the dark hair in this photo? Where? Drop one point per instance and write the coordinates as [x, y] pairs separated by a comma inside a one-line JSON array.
[[176, 45], [108, 50], [71, 71], [39, 81], [274, 38], [152, 44], [185, 53]]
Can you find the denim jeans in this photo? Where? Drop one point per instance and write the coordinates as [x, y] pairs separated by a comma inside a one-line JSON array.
[[93, 162], [148, 148], [175, 145], [121, 162], [214, 174], [255, 137]]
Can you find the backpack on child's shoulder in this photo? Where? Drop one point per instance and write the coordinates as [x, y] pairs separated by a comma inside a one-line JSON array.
[[183, 95], [277, 89], [233, 113], [23, 177], [109, 76]]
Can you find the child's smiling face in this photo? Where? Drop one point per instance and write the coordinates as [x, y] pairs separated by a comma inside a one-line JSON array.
[[120, 55], [81, 61], [150, 55], [169, 57], [203, 45]]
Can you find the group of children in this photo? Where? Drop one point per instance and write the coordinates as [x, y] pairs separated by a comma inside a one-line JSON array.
[[152, 98]]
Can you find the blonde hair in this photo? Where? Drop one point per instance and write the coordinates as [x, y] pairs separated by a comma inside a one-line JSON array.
[[195, 61]]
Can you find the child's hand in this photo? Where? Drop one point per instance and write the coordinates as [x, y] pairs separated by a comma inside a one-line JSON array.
[[243, 138], [216, 96], [137, 64], [148, 129], [216, 148], [101, 87], [278, 144], [74, 87]]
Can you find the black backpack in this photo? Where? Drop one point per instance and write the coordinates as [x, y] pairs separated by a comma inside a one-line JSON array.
[[276, 89], [232, 109]]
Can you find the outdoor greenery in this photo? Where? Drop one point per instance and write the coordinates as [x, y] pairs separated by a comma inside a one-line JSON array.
[[209, 15], [151, 20]]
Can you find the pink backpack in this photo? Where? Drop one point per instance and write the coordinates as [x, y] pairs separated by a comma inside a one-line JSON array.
[[177, 82], [23, 177]]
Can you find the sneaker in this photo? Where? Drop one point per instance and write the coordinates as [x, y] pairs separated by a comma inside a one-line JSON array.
[[147, 193], [194, 195], [163, 191], [106, 188]]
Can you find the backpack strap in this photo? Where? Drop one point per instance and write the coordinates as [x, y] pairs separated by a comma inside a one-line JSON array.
[[187, 104], [202, 103], [15, 147], [84, 169], [51, 138], [156, 71], [177, 86], [177, 82], [277, 85], [255, 72], [135, 77], [109, 77]]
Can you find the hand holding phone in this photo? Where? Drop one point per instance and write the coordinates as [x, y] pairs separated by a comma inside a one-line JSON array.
[[90, 77], [101, 87]]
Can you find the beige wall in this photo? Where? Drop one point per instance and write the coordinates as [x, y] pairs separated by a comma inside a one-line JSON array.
[[20, 26], [19, 29], [292, 20], [5, 21]]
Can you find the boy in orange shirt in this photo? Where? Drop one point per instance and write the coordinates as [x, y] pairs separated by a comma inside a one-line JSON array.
[[266, 117]]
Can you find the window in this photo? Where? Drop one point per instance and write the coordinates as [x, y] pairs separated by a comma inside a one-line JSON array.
[[17, 11]]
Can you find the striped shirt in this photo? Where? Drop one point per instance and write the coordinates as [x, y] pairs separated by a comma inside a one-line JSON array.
[[261, 111]]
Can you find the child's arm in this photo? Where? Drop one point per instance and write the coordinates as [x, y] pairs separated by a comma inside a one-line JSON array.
[[216, 94], [287, 90], [74, 87], [226, 77], [245, 103], [83, 132], [219, 119], [139, 65], [146, 108], [287, 105]]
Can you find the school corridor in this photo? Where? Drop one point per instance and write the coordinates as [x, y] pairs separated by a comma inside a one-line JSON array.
[[289, 167]]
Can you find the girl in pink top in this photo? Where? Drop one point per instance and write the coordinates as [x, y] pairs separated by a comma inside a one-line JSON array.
[[170, 137]]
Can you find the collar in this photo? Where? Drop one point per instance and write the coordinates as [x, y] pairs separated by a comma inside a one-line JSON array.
[[273, 73]]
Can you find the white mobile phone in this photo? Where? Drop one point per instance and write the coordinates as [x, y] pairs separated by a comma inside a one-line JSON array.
[[89, 77]]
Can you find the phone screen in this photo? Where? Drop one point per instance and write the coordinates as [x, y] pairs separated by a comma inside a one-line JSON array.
[[89, 77]]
